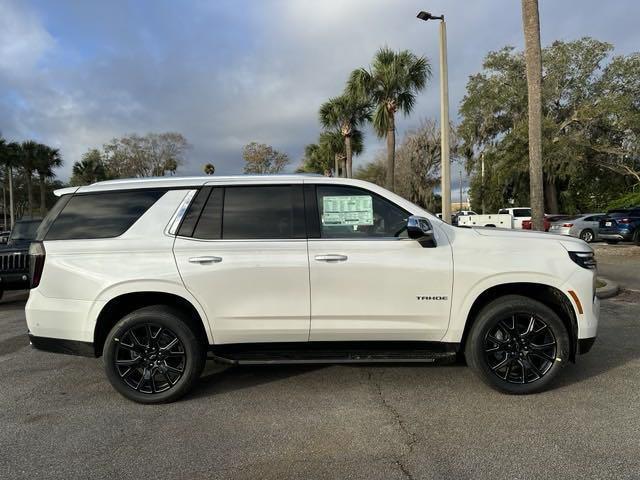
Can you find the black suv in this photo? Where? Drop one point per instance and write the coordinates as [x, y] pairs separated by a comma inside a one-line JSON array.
[[622, 224], [14, 258]]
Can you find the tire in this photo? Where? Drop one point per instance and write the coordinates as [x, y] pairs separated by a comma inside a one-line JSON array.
[[152, 355], [517, 362], [613, 242], [636, 238], [587, 235]]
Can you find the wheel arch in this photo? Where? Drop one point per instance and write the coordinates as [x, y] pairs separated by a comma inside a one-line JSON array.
[[551, 296], [125, 303]]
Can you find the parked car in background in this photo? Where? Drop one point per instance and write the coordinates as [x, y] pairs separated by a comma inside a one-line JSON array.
[[621, 225], [461, 213], [4, 237], [585, 226], [548, 220], [505, 218], [490, 220], [519, 214], [14, 256]]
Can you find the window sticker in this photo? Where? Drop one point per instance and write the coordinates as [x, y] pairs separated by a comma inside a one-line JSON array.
[[347, 210]]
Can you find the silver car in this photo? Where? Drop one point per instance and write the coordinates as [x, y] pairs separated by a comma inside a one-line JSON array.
[[583, 226]]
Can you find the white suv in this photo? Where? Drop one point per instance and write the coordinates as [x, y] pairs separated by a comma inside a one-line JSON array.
[[154, 274]]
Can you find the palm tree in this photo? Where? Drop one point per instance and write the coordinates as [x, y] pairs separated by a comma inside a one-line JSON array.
[[345, 113], [9, 158], [392, 84], [332, 142], [90, 169], [28, 158], [47, 159], [533, 60], [209, 169]]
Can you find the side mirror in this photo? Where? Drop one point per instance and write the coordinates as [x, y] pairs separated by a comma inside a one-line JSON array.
[[419, 228]]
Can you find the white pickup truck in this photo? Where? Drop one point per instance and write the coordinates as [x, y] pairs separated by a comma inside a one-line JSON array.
[[505, 218]]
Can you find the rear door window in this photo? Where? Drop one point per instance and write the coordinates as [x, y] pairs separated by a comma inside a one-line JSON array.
[[263, 212], [98, 215]]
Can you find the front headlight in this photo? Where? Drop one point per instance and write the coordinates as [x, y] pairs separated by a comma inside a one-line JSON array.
[[584, 259]]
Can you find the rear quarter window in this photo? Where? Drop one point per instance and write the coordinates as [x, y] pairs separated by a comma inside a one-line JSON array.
[[98, 215]]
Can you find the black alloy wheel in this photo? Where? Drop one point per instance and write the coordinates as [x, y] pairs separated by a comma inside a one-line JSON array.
[[153, 354], [520, 349], [517, 345], [150, 358]]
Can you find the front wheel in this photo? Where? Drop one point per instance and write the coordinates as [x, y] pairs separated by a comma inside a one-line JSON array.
[[517, 345], [153, 356]]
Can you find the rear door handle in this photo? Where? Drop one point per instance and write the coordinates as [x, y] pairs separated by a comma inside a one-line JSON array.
[[331, 258], [205, 259]]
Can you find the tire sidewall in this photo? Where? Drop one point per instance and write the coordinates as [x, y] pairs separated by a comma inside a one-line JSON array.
[[504, 307], [167, 318]]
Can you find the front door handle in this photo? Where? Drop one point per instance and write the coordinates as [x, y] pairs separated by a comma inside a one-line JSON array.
[[331, 258], [205, 259]]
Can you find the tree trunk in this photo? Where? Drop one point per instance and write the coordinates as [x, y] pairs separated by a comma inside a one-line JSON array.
[[11, 196], [391, 153], [43, 200], [29, 181], [533, 59], [4, 204], [336, 161], [551, 197], [349, 154]]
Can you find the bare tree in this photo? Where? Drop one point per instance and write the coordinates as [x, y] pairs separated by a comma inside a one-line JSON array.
[[533, 60], [152, 155], [262, 158]]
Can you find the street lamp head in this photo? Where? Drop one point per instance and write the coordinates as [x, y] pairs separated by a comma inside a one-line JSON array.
[[428, 16]]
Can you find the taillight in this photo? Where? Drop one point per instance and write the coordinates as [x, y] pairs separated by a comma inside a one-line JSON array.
[[37, 255], [624, 220], [567, 225]]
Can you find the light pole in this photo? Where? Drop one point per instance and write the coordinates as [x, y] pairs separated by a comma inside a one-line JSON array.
[[445, 176]]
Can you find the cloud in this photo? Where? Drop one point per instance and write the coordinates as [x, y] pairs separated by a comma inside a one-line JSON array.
[[224, 73]]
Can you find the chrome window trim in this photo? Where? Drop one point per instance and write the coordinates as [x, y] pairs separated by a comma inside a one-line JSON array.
[[177, 217]]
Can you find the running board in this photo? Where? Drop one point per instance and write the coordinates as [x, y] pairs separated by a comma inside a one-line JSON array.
[[319, 356]]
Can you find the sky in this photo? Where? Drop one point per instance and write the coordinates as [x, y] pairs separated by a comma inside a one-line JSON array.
[[75, 74]]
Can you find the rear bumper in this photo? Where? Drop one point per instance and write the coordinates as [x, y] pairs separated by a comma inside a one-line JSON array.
[[59, 345], [615, 236]]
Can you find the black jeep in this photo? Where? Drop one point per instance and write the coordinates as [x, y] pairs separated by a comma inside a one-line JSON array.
[[14, 258]]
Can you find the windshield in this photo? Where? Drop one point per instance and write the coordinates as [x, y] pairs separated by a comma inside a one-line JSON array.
[[24, 230]]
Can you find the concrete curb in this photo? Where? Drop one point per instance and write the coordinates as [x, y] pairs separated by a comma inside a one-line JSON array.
[[611, 289]]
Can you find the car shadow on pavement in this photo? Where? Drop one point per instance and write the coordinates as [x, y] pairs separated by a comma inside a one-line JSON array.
[[617, 344], [238, 377]]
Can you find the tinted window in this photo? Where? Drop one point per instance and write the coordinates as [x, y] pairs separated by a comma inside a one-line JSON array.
[[347, 212], [502, 211], [101, 215], [209, 224], [522, 212], [262, 212]]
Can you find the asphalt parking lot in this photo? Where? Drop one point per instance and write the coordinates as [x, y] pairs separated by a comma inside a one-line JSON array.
[[59, 418]]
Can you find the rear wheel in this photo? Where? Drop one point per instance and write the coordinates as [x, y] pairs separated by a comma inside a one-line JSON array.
[[636, 237], [517, 345], [586, 235], [153, 356]]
